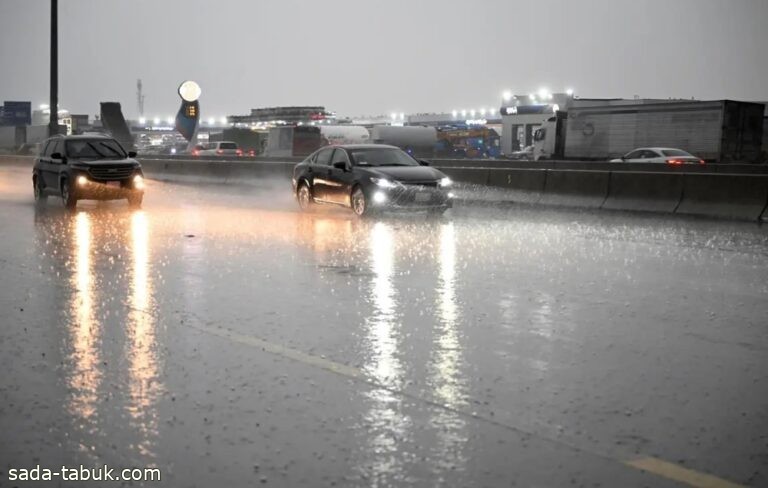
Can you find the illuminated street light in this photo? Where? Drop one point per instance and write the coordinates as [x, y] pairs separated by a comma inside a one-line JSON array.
[[169, 120], [482, 111], [156, 121], [211, 121], [393, 115], [544, 94], [569, 92], [455, 113], [142, 120], [472, 113], [532, 96], [463, 113], [224, 120], [507, 95]]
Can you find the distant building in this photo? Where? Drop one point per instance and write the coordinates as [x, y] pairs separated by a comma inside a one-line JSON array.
[[285, 116]]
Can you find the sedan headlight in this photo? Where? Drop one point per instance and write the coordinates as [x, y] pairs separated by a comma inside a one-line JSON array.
[[445, 182], [384, 183]]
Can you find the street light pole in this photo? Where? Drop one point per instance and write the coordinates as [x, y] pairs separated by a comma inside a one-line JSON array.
[[53, 122]]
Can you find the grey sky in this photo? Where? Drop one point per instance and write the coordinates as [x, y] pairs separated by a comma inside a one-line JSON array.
[[372, 57]]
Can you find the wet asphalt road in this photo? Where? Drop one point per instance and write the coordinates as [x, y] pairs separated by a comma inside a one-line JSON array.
[[229, 340]]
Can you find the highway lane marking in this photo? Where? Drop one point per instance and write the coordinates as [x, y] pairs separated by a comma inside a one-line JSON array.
[[680, 474], [651, 465]]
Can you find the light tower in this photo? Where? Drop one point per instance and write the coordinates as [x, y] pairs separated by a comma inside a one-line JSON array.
[[140, 97]]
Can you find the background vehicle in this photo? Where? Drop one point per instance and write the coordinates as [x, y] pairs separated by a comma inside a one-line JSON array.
[[463, 141], [717, 131], [87, 168], [251, 142], [662, 155], [524, 154], [418, 141], [291, 141], [220, 148], [368, 178]]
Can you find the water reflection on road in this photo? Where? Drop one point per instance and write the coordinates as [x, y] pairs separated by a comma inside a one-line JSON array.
[[141, 349]]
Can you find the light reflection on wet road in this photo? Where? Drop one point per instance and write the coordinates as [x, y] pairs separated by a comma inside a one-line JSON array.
[[510, 346]]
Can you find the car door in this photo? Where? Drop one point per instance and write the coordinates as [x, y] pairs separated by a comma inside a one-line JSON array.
[[43, 162], [320, 174], [53, 166], [634, 157], [340, 178], [652, 156]]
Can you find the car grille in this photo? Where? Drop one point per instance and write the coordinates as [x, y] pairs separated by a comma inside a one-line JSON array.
[[427, 184], [111, 172]]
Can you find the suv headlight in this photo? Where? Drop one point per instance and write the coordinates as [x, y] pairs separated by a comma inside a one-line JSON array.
[[445, 182], [138, 182], [384, 183]]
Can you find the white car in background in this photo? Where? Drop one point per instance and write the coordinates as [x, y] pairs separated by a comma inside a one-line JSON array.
[[220, 148], [667, 155]]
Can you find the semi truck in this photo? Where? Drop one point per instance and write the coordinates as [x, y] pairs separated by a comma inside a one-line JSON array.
[[721, 131]]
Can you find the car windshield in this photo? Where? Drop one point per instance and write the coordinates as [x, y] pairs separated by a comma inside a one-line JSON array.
[[95, 149], [381, 157], [675, 152]]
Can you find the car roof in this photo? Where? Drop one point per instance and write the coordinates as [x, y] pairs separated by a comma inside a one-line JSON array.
[[81, 136], [660, 149], [362, 146]]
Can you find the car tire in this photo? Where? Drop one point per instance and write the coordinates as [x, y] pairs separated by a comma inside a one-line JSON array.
[[134, 201], [359, 202], [40, 196], [304, 197], [68, 197]]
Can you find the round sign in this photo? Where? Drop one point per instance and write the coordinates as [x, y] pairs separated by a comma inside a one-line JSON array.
[[189, 91]]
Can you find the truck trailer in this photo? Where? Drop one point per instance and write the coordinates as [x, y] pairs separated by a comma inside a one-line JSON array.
[[721, 131]]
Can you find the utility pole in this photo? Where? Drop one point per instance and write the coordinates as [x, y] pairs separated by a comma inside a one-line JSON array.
[[53, 121]]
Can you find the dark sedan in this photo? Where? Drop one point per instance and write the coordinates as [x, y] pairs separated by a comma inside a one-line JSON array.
[[368, 178]]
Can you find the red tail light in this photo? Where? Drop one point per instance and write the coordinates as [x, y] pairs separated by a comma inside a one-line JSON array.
[[674, 161], [239, 152], [251, 153], [701, 161], [195, 152], [219, 151]]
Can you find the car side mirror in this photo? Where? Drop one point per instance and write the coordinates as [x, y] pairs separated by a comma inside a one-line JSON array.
[[132, 154], [340, 165], [423, 162], [58, 156]]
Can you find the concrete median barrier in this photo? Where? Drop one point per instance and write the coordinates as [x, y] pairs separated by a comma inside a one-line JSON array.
[[647, 192], [517, 185], [574, 188], [729, 196], [467, 176]]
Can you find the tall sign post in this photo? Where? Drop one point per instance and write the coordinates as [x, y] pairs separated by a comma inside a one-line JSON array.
[[189, 113], [53, 120]]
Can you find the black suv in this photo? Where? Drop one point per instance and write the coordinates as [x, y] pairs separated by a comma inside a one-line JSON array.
[[87, 168], [369, 178]]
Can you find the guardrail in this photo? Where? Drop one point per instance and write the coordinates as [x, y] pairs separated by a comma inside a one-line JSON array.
[[711, 194]]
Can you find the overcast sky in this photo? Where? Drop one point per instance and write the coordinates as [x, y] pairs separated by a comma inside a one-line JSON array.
[[378, 56]]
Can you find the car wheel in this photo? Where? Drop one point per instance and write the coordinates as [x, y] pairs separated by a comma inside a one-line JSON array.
[[134, 201], [359, 203], [40, 196], [304, 196], [67, 195]]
